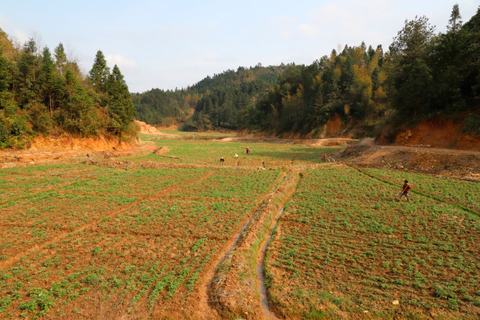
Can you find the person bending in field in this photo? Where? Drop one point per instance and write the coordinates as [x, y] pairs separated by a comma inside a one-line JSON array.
[[406, 190]]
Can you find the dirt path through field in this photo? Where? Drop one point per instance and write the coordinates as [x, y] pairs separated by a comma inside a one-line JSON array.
[[235, 287], [205, 309], [267, 313]]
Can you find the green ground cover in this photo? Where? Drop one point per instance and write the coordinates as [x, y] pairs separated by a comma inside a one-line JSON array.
[[25, 181], [138, 238], [345, 246], [209, 153], [466, 193], [77, 239]]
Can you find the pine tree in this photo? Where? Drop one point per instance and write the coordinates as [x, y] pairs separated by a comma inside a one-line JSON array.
[[120, 104], [5, 81], [47, 79], [60, 58], [78, 114], [410, 79], [100, 73], [455, 23], [29, 69]]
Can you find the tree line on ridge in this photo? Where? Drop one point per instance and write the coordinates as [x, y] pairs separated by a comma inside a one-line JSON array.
[[45, 93], [422, 75]]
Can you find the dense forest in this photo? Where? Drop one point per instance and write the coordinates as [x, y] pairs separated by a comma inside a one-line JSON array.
[[45, 93], [422, 75], [220, 101]]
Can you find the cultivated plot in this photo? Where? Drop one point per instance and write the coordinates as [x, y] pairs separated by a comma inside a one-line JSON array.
[[465, 193], [274, 155], [124, 241], [344, 246]]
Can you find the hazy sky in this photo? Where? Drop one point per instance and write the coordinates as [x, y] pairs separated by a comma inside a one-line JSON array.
[[176, 43]]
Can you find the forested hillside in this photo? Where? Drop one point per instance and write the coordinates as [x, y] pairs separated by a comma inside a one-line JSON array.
[[221, 101], [364, 89], [347, 84], [44, 92], [436, 75]]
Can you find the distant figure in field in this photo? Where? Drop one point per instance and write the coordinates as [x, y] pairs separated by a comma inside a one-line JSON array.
[[222, 159], [324, 157], [247, 150], [235, 156], [263, 164], [405, 190]]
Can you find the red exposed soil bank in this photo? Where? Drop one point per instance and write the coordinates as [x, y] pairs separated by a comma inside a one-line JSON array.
[[146, 128], [436, 133], [65, 142]]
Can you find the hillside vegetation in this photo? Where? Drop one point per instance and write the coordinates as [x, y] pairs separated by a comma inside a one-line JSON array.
[[362, 90], [221, 101], [45, 93]]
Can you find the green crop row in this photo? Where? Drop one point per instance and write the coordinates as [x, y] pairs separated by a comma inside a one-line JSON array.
[[209, 153], [466, 193], [137, 237], [346, 245]]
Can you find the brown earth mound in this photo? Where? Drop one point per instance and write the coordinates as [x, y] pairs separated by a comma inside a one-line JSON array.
[[445, 162], [438, 133], [66, 148], [146, 128], [67, 143]]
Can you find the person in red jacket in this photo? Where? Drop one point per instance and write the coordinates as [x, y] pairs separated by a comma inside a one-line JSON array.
[[405, 190]]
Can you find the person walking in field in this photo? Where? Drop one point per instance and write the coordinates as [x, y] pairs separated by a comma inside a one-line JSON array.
[[405, 190], [247, 150]]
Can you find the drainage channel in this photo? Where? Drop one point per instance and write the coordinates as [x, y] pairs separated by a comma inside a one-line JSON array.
[[236, 240], [261, 278]]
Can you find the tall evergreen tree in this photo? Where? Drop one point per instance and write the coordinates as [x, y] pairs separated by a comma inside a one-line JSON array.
[[78, 114], [120, 104], [47, 79], [410, 77], [99, 74], [455, 23], [60, 58], [5, 81]]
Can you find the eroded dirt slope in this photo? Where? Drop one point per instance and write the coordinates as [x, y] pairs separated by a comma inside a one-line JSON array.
[[446, 162]]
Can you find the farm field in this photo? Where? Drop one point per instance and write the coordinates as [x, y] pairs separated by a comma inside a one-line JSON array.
[[79, 239], [465, 193], [142, 237], [275, 155], [345, 248]]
